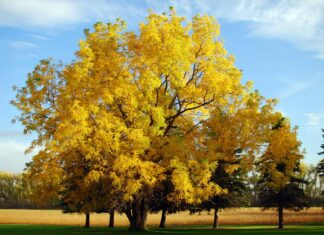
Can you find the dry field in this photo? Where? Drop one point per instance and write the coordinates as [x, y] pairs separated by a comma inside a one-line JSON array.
[[241, 216]]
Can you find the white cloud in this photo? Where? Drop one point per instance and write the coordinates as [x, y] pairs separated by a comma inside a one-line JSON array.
[[298, 22], [38, 36], [46, 13], [7, 134], [292, 88], [12, 157], [313, 120], [22, 13], [295, 21], [22, 45]]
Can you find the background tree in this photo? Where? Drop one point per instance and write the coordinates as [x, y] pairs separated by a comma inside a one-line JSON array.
[[291, 197], [234, 184], [320, 168], [44, 177], [233, 136], [314, 186], [253, 188], [279, 167], [14, 191], [77, 196], [161, 203]]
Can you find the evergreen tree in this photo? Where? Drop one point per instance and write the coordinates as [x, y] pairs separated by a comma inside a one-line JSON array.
[[291, 197], [235, 186], [163, 204], [279, 166]]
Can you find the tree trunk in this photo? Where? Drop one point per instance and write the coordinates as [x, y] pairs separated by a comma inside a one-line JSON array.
[[280, 209], [163, 218], [111, 219], [87, 221], [280, 217], [215, 225], [137, 215]]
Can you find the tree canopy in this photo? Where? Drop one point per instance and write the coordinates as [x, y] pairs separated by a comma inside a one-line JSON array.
[[137, 110]]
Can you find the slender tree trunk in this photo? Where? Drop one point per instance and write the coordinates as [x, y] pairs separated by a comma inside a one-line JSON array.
[[87, 221], [215, 225], [111, 218], [280, 217], [280, 210], [137, 215], [163, 218]]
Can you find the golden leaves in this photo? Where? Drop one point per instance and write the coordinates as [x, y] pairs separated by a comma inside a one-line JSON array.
[[282, 154], [130, 175], [133, 106]]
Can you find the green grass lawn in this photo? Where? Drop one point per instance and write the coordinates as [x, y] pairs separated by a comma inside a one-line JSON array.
[[248, 230]]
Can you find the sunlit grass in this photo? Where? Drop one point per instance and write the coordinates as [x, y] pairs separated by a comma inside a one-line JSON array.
[[69, 230]]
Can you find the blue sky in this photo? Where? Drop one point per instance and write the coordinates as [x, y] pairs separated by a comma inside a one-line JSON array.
[[278, 44]]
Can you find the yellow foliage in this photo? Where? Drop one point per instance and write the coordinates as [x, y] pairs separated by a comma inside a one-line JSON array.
[[282, 155], [131, 107]]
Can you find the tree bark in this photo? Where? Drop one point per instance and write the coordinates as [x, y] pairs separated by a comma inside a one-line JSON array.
[[280, 217], [280, 210], [87, 221], [163, 218], [215, 225], [111, 219], [137, 215]]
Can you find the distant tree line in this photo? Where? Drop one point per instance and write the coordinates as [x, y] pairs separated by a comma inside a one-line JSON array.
[[16, 193]]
